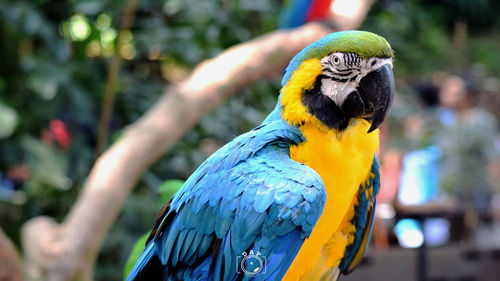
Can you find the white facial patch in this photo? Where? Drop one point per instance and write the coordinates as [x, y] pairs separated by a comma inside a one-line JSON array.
[[337, 91], [344, 71]]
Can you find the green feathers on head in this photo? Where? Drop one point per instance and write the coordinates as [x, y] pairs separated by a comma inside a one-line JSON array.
[[363, 43]]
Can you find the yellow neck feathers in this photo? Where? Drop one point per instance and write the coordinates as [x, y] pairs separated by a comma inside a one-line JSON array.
[[294, 112]]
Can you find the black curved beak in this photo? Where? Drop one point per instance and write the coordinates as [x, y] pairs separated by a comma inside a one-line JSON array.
[[377, 92]]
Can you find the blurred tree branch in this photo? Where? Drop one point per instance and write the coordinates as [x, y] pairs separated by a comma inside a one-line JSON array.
[[10, 267], [67, 251]]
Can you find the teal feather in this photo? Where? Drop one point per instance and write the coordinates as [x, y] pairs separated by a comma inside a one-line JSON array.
[[185, 247]]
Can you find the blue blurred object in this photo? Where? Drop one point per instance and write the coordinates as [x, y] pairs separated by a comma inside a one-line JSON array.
[[420, 176], [409, 233], [298, 12], [294, 14], [419, 184], [437, 232], [447, 117], [6, 188], [8, 192]]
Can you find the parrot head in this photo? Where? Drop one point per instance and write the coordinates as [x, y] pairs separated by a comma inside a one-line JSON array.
[[342, 76]]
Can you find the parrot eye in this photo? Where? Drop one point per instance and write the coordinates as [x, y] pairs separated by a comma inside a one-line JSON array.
[[336, 60]]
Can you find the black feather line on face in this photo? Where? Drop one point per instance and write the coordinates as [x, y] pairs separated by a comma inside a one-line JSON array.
[[343, 70], [342, 80], [342, 74], [346, 61], [324, 108]]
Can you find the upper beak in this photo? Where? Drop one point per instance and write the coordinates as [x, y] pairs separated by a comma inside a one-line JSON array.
[[377, 89]]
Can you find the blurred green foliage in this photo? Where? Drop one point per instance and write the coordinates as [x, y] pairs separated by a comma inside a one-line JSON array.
[[425, 37], [166, 190], [54, 56], [135, 254]]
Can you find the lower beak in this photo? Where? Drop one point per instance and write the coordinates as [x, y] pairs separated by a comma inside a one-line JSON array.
[[377, 91]]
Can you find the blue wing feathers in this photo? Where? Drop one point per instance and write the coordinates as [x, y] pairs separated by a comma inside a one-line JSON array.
[[250, 195], [190, 237], [205, 243]]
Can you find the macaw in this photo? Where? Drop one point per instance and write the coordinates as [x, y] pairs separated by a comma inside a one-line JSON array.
[[297, 12], [294, 198]]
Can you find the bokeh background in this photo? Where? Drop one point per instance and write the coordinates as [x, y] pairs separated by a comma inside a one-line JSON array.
[[439, 214]]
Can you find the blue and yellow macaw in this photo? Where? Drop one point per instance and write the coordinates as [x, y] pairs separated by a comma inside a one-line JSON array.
[[294, 198]]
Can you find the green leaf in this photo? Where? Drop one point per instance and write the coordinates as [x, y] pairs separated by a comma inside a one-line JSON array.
[[8, 120], [167, 189], [135, 254], [47, 164]]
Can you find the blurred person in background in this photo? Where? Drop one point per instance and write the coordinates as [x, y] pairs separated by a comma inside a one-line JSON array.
[[450, 154], [467, 141]]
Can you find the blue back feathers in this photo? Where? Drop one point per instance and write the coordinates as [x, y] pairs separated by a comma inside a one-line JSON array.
[[248, 196]]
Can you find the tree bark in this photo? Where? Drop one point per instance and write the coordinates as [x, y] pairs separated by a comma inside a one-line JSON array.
[[10, 265], [67, 251]]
